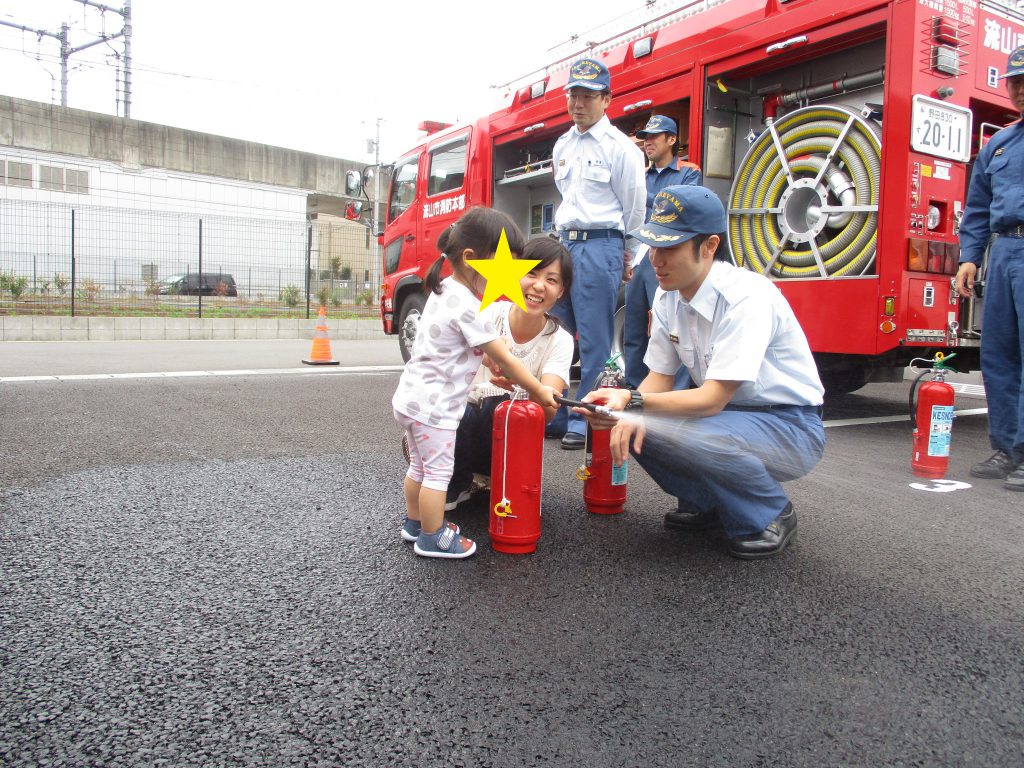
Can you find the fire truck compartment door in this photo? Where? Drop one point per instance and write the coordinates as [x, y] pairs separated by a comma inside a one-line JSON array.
[[820, 40], [645, 101]]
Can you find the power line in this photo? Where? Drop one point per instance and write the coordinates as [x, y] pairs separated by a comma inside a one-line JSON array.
[[66, 50]]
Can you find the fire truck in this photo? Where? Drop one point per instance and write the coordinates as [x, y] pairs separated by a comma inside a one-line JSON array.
[[839, 134]]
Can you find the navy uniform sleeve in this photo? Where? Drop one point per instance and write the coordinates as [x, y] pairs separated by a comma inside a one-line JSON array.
[[975, 228]]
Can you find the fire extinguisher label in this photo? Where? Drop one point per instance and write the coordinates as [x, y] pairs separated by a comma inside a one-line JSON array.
[[620, 474], [941, 430]]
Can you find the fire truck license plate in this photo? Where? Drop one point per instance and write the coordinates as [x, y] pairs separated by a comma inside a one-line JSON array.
[[941, 129]]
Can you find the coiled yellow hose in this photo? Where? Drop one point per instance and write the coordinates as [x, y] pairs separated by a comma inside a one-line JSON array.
[[805, 200]]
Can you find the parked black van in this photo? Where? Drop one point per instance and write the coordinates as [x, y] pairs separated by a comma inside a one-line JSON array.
[[196, 284]]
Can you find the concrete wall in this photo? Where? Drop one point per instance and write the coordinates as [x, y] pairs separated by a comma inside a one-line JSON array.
[[135, 144], [48, 328]]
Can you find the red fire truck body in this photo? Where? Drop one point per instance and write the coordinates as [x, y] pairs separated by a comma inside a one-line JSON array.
[[838, 133]]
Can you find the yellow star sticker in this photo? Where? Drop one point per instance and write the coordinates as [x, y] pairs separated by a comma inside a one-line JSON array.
[[503, 274]]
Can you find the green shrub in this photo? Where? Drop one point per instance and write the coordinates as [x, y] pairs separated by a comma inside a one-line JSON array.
[[291, 295]]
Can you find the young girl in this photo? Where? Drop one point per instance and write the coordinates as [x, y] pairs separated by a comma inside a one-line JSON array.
[[452, 338], [534, 338]]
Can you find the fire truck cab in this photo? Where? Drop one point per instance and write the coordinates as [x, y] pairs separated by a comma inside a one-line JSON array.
[[839, 134]]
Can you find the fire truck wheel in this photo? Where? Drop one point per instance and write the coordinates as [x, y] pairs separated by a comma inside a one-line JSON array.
[[409, 322], [843, 381]]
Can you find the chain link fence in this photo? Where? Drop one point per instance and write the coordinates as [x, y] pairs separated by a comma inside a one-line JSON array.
[[58, 259]]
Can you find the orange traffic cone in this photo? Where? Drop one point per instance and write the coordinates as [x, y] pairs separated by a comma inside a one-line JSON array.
[[321, 353]]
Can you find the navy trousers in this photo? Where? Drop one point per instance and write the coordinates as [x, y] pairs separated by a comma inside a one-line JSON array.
[[733, 462], [473, 442], [589, 309], [1001, 345]]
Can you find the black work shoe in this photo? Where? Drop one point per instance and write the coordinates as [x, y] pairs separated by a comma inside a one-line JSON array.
[[573, 441], [996, 467], [1015, 480], [769, 542], [692, 520]]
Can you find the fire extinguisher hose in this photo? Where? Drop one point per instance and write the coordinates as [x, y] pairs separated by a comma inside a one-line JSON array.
[[938, 363], [504, 507], [913, 397]]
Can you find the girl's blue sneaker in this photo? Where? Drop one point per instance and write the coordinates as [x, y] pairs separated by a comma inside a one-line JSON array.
[[411, 529], [445, 543]]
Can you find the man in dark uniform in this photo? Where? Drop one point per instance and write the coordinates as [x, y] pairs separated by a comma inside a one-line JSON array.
[[995, 210], [666, 170]]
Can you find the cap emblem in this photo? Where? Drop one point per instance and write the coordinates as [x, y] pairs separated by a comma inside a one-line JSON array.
[[666, 209], [585, 70]]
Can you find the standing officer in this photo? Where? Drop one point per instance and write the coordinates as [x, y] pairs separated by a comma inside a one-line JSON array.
[[599, 172], [995, 210], [753, 417], [666, 170]]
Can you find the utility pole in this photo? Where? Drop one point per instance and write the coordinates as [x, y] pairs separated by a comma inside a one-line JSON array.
[[376, 205], [66, 50], [126, 32]]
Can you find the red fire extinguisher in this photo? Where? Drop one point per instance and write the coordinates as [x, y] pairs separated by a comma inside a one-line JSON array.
[[517, 464], [604, 484], [932, 419]]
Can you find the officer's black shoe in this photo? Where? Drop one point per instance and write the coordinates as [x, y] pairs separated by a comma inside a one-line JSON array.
[[1015, 480], [684, 519], [769, 542], [996, 467], [573, 441]]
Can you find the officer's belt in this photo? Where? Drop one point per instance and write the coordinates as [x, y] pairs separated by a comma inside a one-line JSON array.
[[590, 234], [775, 407], [1017, 231]]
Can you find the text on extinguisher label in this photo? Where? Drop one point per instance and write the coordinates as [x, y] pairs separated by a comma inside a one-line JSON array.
[[620, 474], [941, 430]]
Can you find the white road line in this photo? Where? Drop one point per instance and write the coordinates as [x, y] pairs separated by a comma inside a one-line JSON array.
[[194, 374], [884, 419]]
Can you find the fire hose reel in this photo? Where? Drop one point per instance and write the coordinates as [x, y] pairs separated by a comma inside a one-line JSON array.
[[805, 199]]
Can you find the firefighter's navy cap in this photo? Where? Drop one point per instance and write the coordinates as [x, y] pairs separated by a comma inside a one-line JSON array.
[[658, 124], [590, 74], [681, 213], [1015, 64]]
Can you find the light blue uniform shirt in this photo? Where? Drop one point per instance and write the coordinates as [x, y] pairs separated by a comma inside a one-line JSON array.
[[738, 327], [600, 175]]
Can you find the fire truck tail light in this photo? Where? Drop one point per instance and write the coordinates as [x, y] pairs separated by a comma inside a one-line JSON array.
[[945, 31], [952, 261], [936, 257], [917, 255], [946, 59], [890, 305]]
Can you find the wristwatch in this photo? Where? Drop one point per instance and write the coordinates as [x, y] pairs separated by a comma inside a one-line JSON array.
[[636, 401]]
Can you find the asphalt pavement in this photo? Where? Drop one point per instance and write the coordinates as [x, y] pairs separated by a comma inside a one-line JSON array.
[[200, 566]]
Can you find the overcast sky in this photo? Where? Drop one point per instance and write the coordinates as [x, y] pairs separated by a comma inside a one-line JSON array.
[[308, 74]]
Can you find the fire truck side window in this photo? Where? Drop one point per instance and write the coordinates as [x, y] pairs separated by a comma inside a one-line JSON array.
[[403, 188], [447, 167]]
